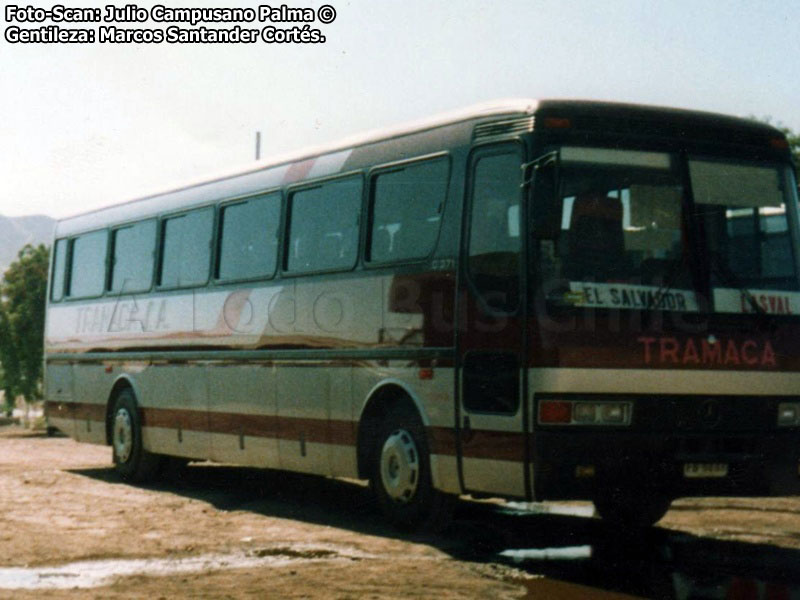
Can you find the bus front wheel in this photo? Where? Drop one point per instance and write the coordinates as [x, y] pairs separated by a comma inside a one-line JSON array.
[[401, 476], [131, 460], [632, 510]]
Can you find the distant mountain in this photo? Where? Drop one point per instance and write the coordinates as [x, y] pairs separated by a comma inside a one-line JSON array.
[[15, 232]]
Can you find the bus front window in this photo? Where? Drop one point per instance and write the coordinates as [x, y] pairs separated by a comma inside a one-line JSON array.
[[618, 236], [619, 242], [747, 229]]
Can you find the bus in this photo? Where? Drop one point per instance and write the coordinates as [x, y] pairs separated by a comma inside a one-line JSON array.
[[537, 300]]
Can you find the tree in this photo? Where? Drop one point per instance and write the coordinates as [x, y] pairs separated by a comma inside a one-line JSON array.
[[8, 358], [793, 139], [6, 401], [22, 302], [794, 144]]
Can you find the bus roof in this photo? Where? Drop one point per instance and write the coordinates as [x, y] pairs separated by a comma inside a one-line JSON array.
[[477, 111], [268, 173]]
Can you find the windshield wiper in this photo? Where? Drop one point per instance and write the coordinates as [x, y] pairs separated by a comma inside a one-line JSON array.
[[668, 281], [730, 278]]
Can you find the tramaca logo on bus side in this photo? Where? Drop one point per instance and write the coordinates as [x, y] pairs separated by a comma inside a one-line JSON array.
[[707, 352]]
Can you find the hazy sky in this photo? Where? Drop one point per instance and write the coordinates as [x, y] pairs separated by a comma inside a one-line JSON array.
[[86, 126]]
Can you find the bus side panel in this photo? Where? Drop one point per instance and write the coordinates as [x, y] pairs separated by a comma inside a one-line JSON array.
[[303, 412], [174, 406], [59, 397], [243, 413], [92, 383], [343, 456]]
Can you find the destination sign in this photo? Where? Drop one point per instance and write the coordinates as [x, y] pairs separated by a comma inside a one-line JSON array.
[[629, 296], [773, 302]]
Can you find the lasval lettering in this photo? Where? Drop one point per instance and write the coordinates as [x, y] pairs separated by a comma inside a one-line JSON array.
[[692, 351], [772, 304]]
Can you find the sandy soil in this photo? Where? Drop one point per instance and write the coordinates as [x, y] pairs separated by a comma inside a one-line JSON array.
[[267, 534]]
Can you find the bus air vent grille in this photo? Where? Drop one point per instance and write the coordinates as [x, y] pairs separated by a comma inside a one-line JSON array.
[[504, 127]]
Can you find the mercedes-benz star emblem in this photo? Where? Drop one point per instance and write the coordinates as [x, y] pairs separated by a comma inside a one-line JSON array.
[[709, 413]]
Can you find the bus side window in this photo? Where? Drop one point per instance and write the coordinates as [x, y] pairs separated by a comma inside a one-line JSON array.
[[248, 231], [59, 271], [132, 250], [323, 226], [406, 211], [87, 271], [186, 248], [494, 234]]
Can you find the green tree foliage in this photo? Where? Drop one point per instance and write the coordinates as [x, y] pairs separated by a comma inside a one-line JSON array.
[[6, 402], [794, 144], [22, 302], [791, 137]]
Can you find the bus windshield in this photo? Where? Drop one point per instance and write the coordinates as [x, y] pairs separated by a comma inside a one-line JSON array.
[[621, 237], [743, 210]]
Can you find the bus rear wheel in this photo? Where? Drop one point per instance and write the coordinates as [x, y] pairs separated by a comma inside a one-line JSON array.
[[401, 475], [632, 510], [131, 461]]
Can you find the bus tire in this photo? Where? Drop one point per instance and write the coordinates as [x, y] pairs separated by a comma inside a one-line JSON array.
[[131, 461], [401, 474], [632, 510]]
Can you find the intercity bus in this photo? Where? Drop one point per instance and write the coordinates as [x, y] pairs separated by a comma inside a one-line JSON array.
[[541, 300]]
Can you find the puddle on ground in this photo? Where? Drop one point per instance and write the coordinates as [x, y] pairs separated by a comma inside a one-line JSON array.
[[584, 509], [684, 568], [96, 573], [565, 553]]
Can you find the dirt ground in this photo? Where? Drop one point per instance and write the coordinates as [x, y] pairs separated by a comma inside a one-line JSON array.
[[224, 532]]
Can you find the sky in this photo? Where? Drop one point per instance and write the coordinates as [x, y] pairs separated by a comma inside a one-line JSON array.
[[85, 126]]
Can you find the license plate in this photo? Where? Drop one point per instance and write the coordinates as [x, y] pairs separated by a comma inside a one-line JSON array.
[[703, 470]]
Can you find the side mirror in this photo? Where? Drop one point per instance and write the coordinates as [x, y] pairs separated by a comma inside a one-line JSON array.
[[546, 204]]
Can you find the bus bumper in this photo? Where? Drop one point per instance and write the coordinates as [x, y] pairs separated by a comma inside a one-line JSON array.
[[580, 465]]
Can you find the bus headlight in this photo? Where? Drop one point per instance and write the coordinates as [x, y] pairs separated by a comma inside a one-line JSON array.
[[613, 412], [788, 413], [584, 412]]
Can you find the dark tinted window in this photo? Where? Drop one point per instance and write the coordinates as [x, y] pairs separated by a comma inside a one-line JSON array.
[[323, 226], [620, 214], [186, 248], [132, 257], [249, 238], [406, 211], [491, 382], [746, 223], [494, 242], [59, 270], [87, 275]]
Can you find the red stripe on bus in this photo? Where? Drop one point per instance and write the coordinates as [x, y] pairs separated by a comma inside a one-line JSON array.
[[494, 445], [480, 443], [442, 440], [191, 420], [320, 431], [298, 171], [80, 411]]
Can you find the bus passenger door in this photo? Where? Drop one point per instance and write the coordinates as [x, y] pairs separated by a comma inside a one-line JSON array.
[[491, 416]]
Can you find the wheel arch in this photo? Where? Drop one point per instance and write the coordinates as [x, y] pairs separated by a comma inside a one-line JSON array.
[[379, 400], [123, 381]]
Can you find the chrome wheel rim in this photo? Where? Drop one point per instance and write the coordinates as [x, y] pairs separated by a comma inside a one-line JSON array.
[[123, 435], [400, 466]]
